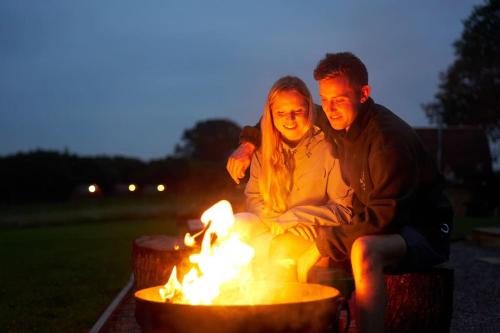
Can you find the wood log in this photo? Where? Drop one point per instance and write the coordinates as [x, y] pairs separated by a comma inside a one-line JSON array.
[[416, 302], [154, 257], [419, 302]]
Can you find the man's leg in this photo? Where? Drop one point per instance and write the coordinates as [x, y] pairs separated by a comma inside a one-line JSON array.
[[370, 255]]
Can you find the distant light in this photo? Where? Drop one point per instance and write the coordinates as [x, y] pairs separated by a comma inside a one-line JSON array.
[[132, 187], [92, 188], [160, 188]]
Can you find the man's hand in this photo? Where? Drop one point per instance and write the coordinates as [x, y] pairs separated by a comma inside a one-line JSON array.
[[239, 161]]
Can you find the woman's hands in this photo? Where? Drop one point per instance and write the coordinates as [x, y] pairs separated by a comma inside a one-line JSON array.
[[305, 231], [279, 227]]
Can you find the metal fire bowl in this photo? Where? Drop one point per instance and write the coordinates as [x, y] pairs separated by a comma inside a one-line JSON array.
[[294, 307]]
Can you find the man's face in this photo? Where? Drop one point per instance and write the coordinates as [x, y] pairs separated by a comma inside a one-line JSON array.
[[290, 115], [339, 101]]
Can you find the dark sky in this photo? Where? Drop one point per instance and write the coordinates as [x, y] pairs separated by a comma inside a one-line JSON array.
[[127, 77]]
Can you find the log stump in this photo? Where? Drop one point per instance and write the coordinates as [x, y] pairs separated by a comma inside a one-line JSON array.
[[416, 302], [419, 302], [154, 257]]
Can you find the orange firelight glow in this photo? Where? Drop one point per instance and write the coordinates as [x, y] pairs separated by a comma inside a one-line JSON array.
[[218, 262]]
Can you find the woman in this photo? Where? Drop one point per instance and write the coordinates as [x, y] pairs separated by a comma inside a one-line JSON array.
[[295, 183]]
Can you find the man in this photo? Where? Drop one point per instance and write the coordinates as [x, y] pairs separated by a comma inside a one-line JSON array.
[[401, 218]]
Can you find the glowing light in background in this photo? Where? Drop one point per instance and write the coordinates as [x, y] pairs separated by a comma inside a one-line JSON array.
[[92, 188], [132, 187], [160, 188]]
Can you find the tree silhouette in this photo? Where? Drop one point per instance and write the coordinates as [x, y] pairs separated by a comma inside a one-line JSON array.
[[469, 89], [44, 175], [209, 140]]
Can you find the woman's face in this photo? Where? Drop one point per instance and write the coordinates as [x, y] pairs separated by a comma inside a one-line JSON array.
[[290, 115]]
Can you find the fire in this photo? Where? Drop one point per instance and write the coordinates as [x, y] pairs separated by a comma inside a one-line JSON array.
[[223, 258], [171, 286]]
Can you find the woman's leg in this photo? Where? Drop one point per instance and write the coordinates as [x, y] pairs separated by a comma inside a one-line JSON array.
[[257, 234], [286, 251], [249, 226]]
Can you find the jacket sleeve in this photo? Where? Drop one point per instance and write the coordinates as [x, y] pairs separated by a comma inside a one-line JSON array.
[[329, 214], [338, 208], [254, 198], [394, 178], [251, 134]]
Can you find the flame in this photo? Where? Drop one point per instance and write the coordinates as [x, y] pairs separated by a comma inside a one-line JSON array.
[[171, 286], [223, 258]]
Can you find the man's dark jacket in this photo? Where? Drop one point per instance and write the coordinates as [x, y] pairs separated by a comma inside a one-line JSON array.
[[395, 181]]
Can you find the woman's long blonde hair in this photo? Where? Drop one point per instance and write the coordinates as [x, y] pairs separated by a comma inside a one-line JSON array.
[[278, 162]]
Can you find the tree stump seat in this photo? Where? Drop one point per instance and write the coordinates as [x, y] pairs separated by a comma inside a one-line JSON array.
[[420, 301], [416, 302], [154, 257]]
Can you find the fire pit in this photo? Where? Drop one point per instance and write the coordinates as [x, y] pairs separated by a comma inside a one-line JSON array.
[[287, 307], [220, 293]]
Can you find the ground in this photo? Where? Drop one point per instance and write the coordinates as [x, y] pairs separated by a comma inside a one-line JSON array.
[[476, 304]]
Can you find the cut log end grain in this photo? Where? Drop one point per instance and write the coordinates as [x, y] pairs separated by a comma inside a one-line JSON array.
[[419, 302], [154, 257]]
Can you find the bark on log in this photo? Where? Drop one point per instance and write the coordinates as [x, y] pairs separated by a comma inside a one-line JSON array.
[[154, 257], [419, 302], [416, 302]]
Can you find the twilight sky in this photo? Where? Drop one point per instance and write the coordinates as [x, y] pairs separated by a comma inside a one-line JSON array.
[[126, 77]]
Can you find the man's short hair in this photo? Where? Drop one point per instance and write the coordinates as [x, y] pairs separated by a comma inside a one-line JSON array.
[[342, 64]]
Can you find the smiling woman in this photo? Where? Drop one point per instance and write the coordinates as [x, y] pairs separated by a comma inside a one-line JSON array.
[[290, 114], [294, 184], [286, 120]]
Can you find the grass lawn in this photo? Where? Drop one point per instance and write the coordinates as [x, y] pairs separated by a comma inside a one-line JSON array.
[[89, 210], [464, 225], [62, 278]]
